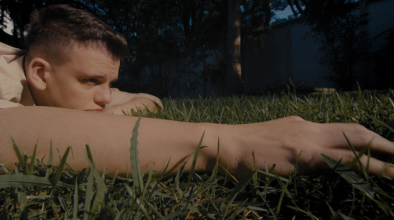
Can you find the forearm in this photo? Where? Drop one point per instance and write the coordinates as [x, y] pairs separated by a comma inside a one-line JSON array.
[[286, 142], [108, 136]]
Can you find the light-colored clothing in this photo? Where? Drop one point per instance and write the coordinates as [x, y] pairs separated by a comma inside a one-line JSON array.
[[14, 91]]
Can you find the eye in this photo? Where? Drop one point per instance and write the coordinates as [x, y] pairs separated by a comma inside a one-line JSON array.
[[92, 80], [111, 83]]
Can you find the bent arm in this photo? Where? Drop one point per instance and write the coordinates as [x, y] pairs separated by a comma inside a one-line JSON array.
[[123, 102], [139, 103]]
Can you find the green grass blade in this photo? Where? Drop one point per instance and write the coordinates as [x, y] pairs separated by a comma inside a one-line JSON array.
[[194, 160], [229, 174], [88, 196], [237, 189], [190, 193], [32, 160], [151, 173], [356, 157], [382, 123], [75, 205], [89, 154], [364, 150], [18, 154], [60, 168], [300, 210], [351, 177], [22, 180], [101, 186], [134, 161], [133, 196], [212, 203], [284, 190], [180, 172], [159, 179], [215, 169], [174, 215], [153, 209], [50, 159]]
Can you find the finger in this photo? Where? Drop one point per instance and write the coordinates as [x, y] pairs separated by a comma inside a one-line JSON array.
[[371, 165], [359, 137]]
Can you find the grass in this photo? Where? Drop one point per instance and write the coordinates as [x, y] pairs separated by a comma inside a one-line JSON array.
[[40, 190]]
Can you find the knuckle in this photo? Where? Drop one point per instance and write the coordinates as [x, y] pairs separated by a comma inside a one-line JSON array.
[[296, 118], [359, 127], [347, 158], [361, 131]]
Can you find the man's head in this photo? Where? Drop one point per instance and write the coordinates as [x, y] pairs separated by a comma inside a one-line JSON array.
[[52, 29], [71, 58]]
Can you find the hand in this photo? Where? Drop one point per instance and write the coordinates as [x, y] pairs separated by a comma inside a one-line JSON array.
[[137, 103], [281, 141]]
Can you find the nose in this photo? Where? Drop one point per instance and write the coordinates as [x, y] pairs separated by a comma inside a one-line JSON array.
[[103, 97]]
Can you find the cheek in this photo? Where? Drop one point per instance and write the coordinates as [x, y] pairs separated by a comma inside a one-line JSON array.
[[70, 95]]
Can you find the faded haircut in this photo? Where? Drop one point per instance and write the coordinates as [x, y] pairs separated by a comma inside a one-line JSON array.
[[54, 28]]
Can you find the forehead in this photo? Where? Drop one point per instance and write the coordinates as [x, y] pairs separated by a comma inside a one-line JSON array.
[[91, 59]]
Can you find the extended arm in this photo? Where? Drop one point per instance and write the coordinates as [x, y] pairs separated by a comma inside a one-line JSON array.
[[108, 137], [275, 142]]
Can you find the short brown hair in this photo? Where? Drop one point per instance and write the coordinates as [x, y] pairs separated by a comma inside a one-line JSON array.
[[53, 28]]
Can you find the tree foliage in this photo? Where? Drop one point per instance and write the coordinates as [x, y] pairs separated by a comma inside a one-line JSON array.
[[339, 27], [382, 60], [19, 13], [159, 32]]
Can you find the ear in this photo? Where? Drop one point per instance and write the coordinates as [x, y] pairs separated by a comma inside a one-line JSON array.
[[37, 72]]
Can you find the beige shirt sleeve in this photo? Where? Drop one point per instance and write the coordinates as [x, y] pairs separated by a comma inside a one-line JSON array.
[[11, 76], [8, 104], [119, 97]]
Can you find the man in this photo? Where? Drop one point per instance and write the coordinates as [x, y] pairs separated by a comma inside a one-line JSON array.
[[72, 57]]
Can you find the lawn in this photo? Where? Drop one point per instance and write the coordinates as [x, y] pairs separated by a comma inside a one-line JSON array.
[[42, 191]]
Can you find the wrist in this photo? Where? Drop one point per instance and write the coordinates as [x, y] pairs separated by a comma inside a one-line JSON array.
[[221, 145]]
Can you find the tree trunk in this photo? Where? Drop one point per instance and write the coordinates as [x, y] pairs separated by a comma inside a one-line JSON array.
[[233, 71]]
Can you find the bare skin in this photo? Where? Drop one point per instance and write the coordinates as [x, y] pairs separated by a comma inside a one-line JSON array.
[[78, 93], [276, 142], [136, 104]]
